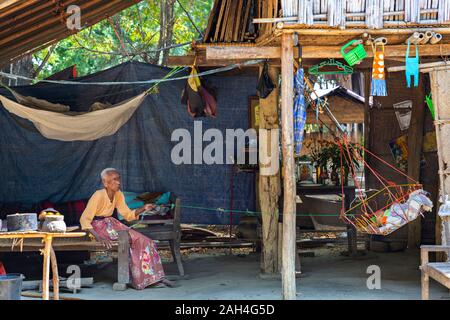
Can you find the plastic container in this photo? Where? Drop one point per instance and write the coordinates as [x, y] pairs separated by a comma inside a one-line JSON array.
[[11, 286], [355, 55]]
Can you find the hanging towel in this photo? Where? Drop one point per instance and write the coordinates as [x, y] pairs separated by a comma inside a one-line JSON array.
[[412, 67], [299, 110], [378, 74], [86, 127]]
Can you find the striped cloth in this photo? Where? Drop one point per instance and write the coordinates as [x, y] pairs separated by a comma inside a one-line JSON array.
[[299, 110]]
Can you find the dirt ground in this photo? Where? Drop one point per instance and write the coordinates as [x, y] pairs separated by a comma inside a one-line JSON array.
[[215, 274]]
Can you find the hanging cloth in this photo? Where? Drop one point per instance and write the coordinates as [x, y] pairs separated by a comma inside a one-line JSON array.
[[378, 74], [200, 102], [86, 127], [299, 110], [412, 67]]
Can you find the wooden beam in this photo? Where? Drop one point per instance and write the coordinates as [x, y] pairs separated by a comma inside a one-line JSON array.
[[43, 24], [58, 32], [7, 3], [424, 67], [242, 52], [289, 206], [24, 4], [301, 31], [203, 62], [315, 52]]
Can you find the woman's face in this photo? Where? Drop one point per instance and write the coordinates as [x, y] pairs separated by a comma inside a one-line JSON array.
[[112, 181]]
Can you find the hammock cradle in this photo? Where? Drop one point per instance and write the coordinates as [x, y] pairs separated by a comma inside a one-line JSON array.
[[383, 211]]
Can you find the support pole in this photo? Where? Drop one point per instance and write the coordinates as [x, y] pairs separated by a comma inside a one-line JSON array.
[[289, 208], [54, 264], [439, 79], [46, 269], [415, 140], [269, 185]]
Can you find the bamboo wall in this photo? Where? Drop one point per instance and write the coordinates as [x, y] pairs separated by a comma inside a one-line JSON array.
[[374, 14]]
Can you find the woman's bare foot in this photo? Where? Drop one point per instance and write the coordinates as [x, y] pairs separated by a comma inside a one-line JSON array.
[[169, 283]]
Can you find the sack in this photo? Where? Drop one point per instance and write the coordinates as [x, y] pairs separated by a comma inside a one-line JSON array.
[[210, 102], [265, 84], [191, 96]]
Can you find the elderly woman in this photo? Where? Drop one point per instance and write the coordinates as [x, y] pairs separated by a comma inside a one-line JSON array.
[[145, 263]]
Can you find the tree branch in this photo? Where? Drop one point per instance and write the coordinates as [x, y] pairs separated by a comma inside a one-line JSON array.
[[44, 62]]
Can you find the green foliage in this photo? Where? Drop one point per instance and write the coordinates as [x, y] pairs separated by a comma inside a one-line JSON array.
[[98, 47]]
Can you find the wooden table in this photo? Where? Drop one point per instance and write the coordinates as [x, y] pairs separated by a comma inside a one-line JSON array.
[[48, 253], [349, 195]]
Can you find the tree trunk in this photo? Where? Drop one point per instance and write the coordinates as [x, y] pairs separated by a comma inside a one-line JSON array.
[[269, 185], [166, 22]]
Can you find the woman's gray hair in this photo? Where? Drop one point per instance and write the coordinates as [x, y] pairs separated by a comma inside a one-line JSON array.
[[107, 171]]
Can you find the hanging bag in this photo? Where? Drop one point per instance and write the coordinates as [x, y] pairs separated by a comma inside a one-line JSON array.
[[265, 84]]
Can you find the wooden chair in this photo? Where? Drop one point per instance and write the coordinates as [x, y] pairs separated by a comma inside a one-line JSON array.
[[161, 230], [439, 271]]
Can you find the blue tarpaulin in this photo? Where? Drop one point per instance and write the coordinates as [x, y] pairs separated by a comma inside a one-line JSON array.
[[34, 169]]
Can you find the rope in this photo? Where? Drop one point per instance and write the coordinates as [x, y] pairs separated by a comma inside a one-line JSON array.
[[151, 81], [362, 221], [245, 212]]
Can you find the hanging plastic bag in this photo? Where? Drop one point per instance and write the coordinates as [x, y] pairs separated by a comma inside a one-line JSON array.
[[265, 84], [444, 210]]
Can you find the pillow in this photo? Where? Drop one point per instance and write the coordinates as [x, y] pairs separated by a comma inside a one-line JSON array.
[[163, 199]]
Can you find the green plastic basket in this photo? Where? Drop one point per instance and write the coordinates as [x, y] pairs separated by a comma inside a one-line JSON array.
[[355, 55]]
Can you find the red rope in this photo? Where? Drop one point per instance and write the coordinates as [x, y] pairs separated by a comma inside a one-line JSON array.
[[389, 165], [364, 221]]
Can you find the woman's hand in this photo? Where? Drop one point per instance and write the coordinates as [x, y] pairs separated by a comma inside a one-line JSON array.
[[149, 206], [105, 242]]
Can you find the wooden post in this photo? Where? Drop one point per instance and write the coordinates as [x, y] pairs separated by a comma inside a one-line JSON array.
[[367, 84], [123, 263], [289, 207], [280, 245], [269, 186], [55, 274], [439, 80], [425, 279], [415, 140], [46, 268]]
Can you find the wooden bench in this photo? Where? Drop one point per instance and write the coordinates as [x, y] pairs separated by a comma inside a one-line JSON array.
[[161, 230], [439, 271], [167, 230]]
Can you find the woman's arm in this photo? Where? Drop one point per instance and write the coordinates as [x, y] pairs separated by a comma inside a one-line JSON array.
[[141, 210], [87, 217], [126, 212], [89, 213]]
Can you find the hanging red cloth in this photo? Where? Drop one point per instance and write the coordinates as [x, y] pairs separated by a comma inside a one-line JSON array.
[[2, 270]]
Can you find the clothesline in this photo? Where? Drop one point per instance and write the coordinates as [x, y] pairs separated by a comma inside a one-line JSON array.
[[170, 74], [151, 81]]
